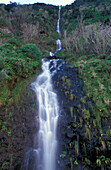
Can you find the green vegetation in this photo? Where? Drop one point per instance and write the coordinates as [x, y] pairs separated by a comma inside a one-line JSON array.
[[63, 155], [85, 11], [31, 23], [17, 63], [102, 161], [95, 71], [86, 45], [26, 35]]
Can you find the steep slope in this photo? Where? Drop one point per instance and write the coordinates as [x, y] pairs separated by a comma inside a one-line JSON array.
[[85, 137], [32, 23], [87, 12], [27, 32], [86, 42]]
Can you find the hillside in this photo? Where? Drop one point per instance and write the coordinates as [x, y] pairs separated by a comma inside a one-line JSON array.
[[87, 12], [32, 23], [86, 42], [28, 33]]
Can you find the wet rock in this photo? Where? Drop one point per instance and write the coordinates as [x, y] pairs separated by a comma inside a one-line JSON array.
[[75, 136], [70, 133]]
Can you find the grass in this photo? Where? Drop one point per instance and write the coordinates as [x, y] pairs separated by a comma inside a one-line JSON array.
[[9, 96], [95, 72]]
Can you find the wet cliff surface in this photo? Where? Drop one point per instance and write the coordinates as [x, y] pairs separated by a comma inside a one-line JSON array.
[[81, 145]]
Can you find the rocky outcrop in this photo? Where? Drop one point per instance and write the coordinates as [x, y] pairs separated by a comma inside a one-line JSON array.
[[80, 142]]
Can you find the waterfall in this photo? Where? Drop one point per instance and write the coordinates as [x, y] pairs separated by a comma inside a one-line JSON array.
[[58, 21], [48, 112], [58, 42], [48, 116], [42, 156]]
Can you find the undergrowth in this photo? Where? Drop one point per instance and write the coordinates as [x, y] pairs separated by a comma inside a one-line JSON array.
[[95, 72], [18, 61]]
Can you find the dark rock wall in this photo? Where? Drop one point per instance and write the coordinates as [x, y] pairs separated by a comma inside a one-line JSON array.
[[80, 143]]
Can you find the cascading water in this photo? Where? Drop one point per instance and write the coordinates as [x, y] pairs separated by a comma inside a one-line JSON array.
[[48, 115], [58, 21], [45, 146], [58, 42]]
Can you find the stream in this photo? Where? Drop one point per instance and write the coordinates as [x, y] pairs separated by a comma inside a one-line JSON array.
[[45, 140]]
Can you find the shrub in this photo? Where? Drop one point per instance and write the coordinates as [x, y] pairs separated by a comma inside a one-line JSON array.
[[3, 75], [7, 46], [31, 51], [3, 22], [1, 63], [14, 41], [90, 39]]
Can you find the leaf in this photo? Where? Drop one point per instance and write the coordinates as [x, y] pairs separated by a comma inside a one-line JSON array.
[[75, 162], [98, 161]]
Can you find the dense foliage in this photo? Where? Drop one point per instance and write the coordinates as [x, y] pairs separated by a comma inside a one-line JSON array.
[[86, 45], [31, 23], [16, 64], [24, 29], [27, 34], [87, 12]]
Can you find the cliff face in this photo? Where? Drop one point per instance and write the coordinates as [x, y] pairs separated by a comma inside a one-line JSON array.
[[83, 134]]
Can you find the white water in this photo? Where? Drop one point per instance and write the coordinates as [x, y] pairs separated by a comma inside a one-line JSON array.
[[58, 21], [48, 116], [58, 42], [48, 111], [43, 153]]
